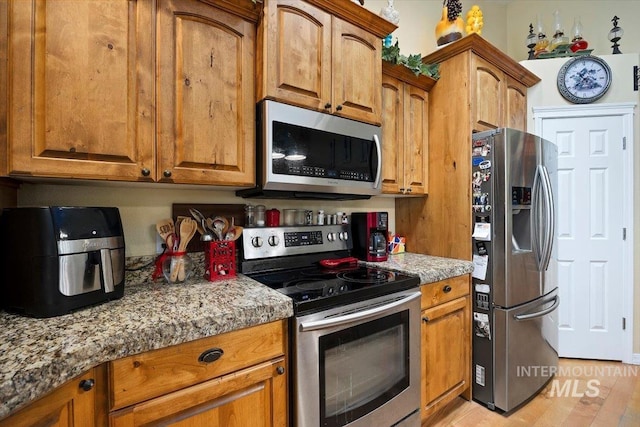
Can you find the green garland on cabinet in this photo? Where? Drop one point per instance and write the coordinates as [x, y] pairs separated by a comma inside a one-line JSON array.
[[413, 62]]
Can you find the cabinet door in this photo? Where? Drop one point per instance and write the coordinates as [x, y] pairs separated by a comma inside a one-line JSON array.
[[68, 405], [392, 135], [205, 95], [256, 396], [446, 352], [488, 90], [416, 140], [81, 89], [297, 54], [357, 73], [516, 104]]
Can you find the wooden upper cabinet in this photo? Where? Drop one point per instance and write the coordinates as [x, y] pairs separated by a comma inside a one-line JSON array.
[[357, 73], [80, 89], [489, 93], [516, 108], [205, 74], [323, 55], [405, 131], [296, 61], [392, 135], [416, 149]]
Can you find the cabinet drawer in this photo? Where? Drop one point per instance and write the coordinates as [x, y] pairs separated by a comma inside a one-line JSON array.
[[445, 290], [157, 372]]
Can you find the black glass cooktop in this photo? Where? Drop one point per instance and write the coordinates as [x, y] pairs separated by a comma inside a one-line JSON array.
[[315, 288]]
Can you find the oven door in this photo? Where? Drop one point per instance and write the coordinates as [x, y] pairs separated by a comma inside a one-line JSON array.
[[358, 365]]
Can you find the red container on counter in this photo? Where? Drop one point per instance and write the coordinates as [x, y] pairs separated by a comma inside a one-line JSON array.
[[273, 218], [220, 259]]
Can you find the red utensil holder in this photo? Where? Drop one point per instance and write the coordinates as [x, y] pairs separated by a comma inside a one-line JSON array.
[[220, 259]]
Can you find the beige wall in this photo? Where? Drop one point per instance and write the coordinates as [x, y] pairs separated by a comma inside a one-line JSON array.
[[142, 205]]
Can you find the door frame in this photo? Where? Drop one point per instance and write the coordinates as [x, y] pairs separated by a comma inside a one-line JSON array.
[[626, 112]]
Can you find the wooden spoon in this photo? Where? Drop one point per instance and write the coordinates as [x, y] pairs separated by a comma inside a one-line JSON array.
[[165, 228], [188, 229]]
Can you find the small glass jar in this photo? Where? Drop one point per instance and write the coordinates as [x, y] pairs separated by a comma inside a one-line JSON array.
[[249, 216], [177, 267], [320, 219], [260, 209]]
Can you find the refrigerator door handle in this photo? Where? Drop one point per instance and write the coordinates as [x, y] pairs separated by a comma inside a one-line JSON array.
[[549, 219], [535, 217], [541, 313]]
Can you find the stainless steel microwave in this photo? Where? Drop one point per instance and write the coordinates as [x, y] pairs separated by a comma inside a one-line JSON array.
[[307, 154]]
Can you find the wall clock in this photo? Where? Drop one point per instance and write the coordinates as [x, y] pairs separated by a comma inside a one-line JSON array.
[[583, 79]]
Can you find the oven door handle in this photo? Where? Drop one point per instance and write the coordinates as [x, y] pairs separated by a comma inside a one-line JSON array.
[[359, 316]]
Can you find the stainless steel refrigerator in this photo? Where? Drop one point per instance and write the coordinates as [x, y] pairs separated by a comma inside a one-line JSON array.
[[514, 176]]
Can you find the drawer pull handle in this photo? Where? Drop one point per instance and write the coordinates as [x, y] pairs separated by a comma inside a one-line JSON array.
[[425, 319], [210, 355], [446, 289], [87, 384]]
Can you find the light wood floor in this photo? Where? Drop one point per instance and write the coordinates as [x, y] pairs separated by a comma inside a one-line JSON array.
[[606, 394]]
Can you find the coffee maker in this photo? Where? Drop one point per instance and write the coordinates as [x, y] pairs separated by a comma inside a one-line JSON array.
[[55, 260], [369, 230]]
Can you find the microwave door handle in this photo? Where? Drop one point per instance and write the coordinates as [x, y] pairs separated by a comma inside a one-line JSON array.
[[359, 316], [379, 152]]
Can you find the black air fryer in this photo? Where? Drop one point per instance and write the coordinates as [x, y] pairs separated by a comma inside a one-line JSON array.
[[57, 259]]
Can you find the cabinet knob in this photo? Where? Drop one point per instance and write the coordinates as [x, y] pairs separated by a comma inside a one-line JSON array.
[[210, 355], [339, 108], [146, 172], [87, 384], [280, 370], [409, 190], [327, 105], [446, 289], [167, 173], [425, 319]]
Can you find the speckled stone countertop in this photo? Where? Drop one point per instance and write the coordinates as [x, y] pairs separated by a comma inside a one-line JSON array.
[[37, 355], [429, 268]]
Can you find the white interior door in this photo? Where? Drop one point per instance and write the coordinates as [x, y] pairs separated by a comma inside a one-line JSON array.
[[590, 223]]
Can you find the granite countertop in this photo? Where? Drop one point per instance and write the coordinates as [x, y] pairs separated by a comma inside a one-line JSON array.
[[37, 355], [429, 268]]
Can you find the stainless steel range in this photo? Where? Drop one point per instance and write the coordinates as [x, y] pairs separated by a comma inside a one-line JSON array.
[[355, 335]]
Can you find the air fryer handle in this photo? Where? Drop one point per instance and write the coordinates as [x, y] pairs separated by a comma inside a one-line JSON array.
[[107, 270]]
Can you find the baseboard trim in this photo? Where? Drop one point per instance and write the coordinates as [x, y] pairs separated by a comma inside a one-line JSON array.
[[635, 359]]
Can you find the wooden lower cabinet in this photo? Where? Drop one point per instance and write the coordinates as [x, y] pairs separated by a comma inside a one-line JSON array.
[[255, 396], [446, 343], [233, 379], [79, 402]]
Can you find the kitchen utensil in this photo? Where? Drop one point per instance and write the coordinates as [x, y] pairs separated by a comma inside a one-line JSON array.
[[339, 262], [220, 225], [205, 235], [188, 228], [234, 231], [165, 229]]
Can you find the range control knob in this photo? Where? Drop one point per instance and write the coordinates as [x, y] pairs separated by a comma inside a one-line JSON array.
[[331, 237], [343, 235], [256, 241], [273, 240]]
